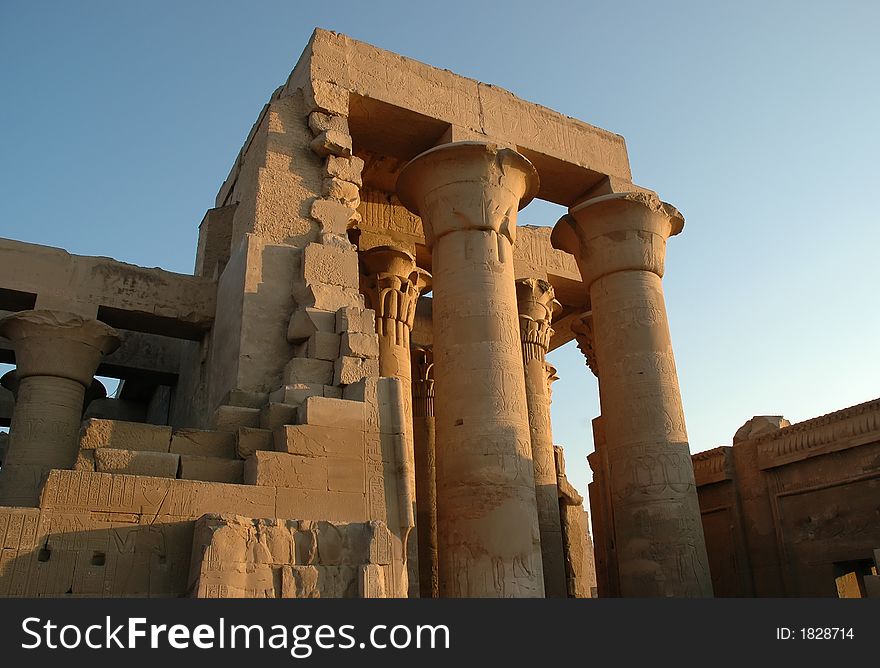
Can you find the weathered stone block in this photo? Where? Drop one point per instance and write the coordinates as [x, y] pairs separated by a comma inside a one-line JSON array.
[[326, 412], [334, 216], [85, 460], [355, 344], [248, 440], [306, 321], [330, 265], [365, 390], [345, 169], [371, 581], [323, 346], [316, 504], [306, 370], [97, 433], [211, 469], [329, 297], [346, 474], [317, 441], [134, 462], [204, 443], [356, 320], [244, 398], [348, 370], [230, 418], [295, 394], [332, 142], [320, 122], [344, 192], [82, 491], [274, 415], [333, 392], [300, 582], [326, 96], [280, 469]]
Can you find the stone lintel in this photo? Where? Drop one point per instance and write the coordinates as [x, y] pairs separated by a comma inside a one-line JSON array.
[[123, 295]]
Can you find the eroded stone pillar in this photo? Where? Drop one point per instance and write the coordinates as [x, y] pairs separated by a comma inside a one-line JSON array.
[[426, 481], [56, 355], [536, 303], [619, 242], [468, 195], [392, 284]]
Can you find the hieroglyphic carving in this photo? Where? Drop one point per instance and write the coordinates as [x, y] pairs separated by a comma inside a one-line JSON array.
[[533, 251], [382, 212]]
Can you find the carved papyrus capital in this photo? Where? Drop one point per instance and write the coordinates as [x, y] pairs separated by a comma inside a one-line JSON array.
[[392, 283], [536, 304]]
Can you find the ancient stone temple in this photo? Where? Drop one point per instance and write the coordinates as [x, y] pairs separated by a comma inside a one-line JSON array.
[[350, 395]]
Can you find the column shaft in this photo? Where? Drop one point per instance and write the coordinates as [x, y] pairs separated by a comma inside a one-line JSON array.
[[468, 194], [426, 481], [487, 516], [42, 436], [619, 241], [56, 356], [393, 283], [649, 462], [535, 302]]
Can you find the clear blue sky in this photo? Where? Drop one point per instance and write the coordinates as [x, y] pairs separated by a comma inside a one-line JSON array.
[[759, 120]]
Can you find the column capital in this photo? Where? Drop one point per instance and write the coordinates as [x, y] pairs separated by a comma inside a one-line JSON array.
[[618, 232], [393, 282], [467, 185], [582, 328], [536, 303], [58, 343]]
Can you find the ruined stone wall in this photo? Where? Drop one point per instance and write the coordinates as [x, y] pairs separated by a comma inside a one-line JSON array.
[[788, 510]]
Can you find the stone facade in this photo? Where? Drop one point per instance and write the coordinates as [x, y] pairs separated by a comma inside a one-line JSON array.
[[789, 508], [350, 395]]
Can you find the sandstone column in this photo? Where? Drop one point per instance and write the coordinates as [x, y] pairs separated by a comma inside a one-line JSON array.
[[468, 195], [393, 283], [426, 482], [619, 242], [56, 355], [536, 303]]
